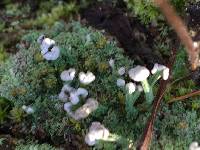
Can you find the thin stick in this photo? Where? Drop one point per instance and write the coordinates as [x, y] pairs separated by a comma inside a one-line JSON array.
[[181, 30], [148, 131], [147, 134], [184, 97]]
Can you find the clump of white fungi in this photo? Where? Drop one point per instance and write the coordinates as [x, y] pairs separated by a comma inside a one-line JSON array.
[[84, 111], [140, 74], [71, 96], [97, 131], [48, 48]]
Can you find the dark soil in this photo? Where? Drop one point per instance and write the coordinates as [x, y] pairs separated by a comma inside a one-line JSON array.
[[131, 34], [193, 11], [195, 76]]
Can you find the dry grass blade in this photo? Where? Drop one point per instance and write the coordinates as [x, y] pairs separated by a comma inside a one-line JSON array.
[[184, 97]]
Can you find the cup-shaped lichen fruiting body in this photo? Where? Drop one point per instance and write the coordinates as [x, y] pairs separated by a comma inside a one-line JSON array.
[[68, 75], [86, 78], [140, 74], [164, 71], [121, 82]]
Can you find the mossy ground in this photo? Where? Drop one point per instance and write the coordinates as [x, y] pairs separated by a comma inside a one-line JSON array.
[[28, 79]]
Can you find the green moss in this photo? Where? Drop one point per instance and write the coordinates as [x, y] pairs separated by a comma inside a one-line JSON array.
[[28, 79], [180, 68], [13, 10], [58, 11], [3, 54], [180, 127], [144, 9], [5, 106], [17, 114], [34, 146], [148, 12], [2, 26]]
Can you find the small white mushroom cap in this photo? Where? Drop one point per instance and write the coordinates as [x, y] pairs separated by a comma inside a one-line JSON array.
[[53, 54], [29, 110], [46, 43], [194, 146], [121, 71], [97, 131], [90, 139], [86, 78], [63, 96], [120, 82], [165, 73], [68, 75], [112, 63], [74, 98], [24, 107], [67, 107], [84, 111], [65, 92], [157, 67], [82, 92], [139, 73], [131, 87]]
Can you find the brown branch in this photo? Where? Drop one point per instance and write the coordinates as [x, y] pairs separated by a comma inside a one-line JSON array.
[[181, 30], [181, 98], [147, 135]]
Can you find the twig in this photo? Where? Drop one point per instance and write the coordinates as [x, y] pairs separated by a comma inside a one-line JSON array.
[[181, 30], [181, 98], [147, 135]]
